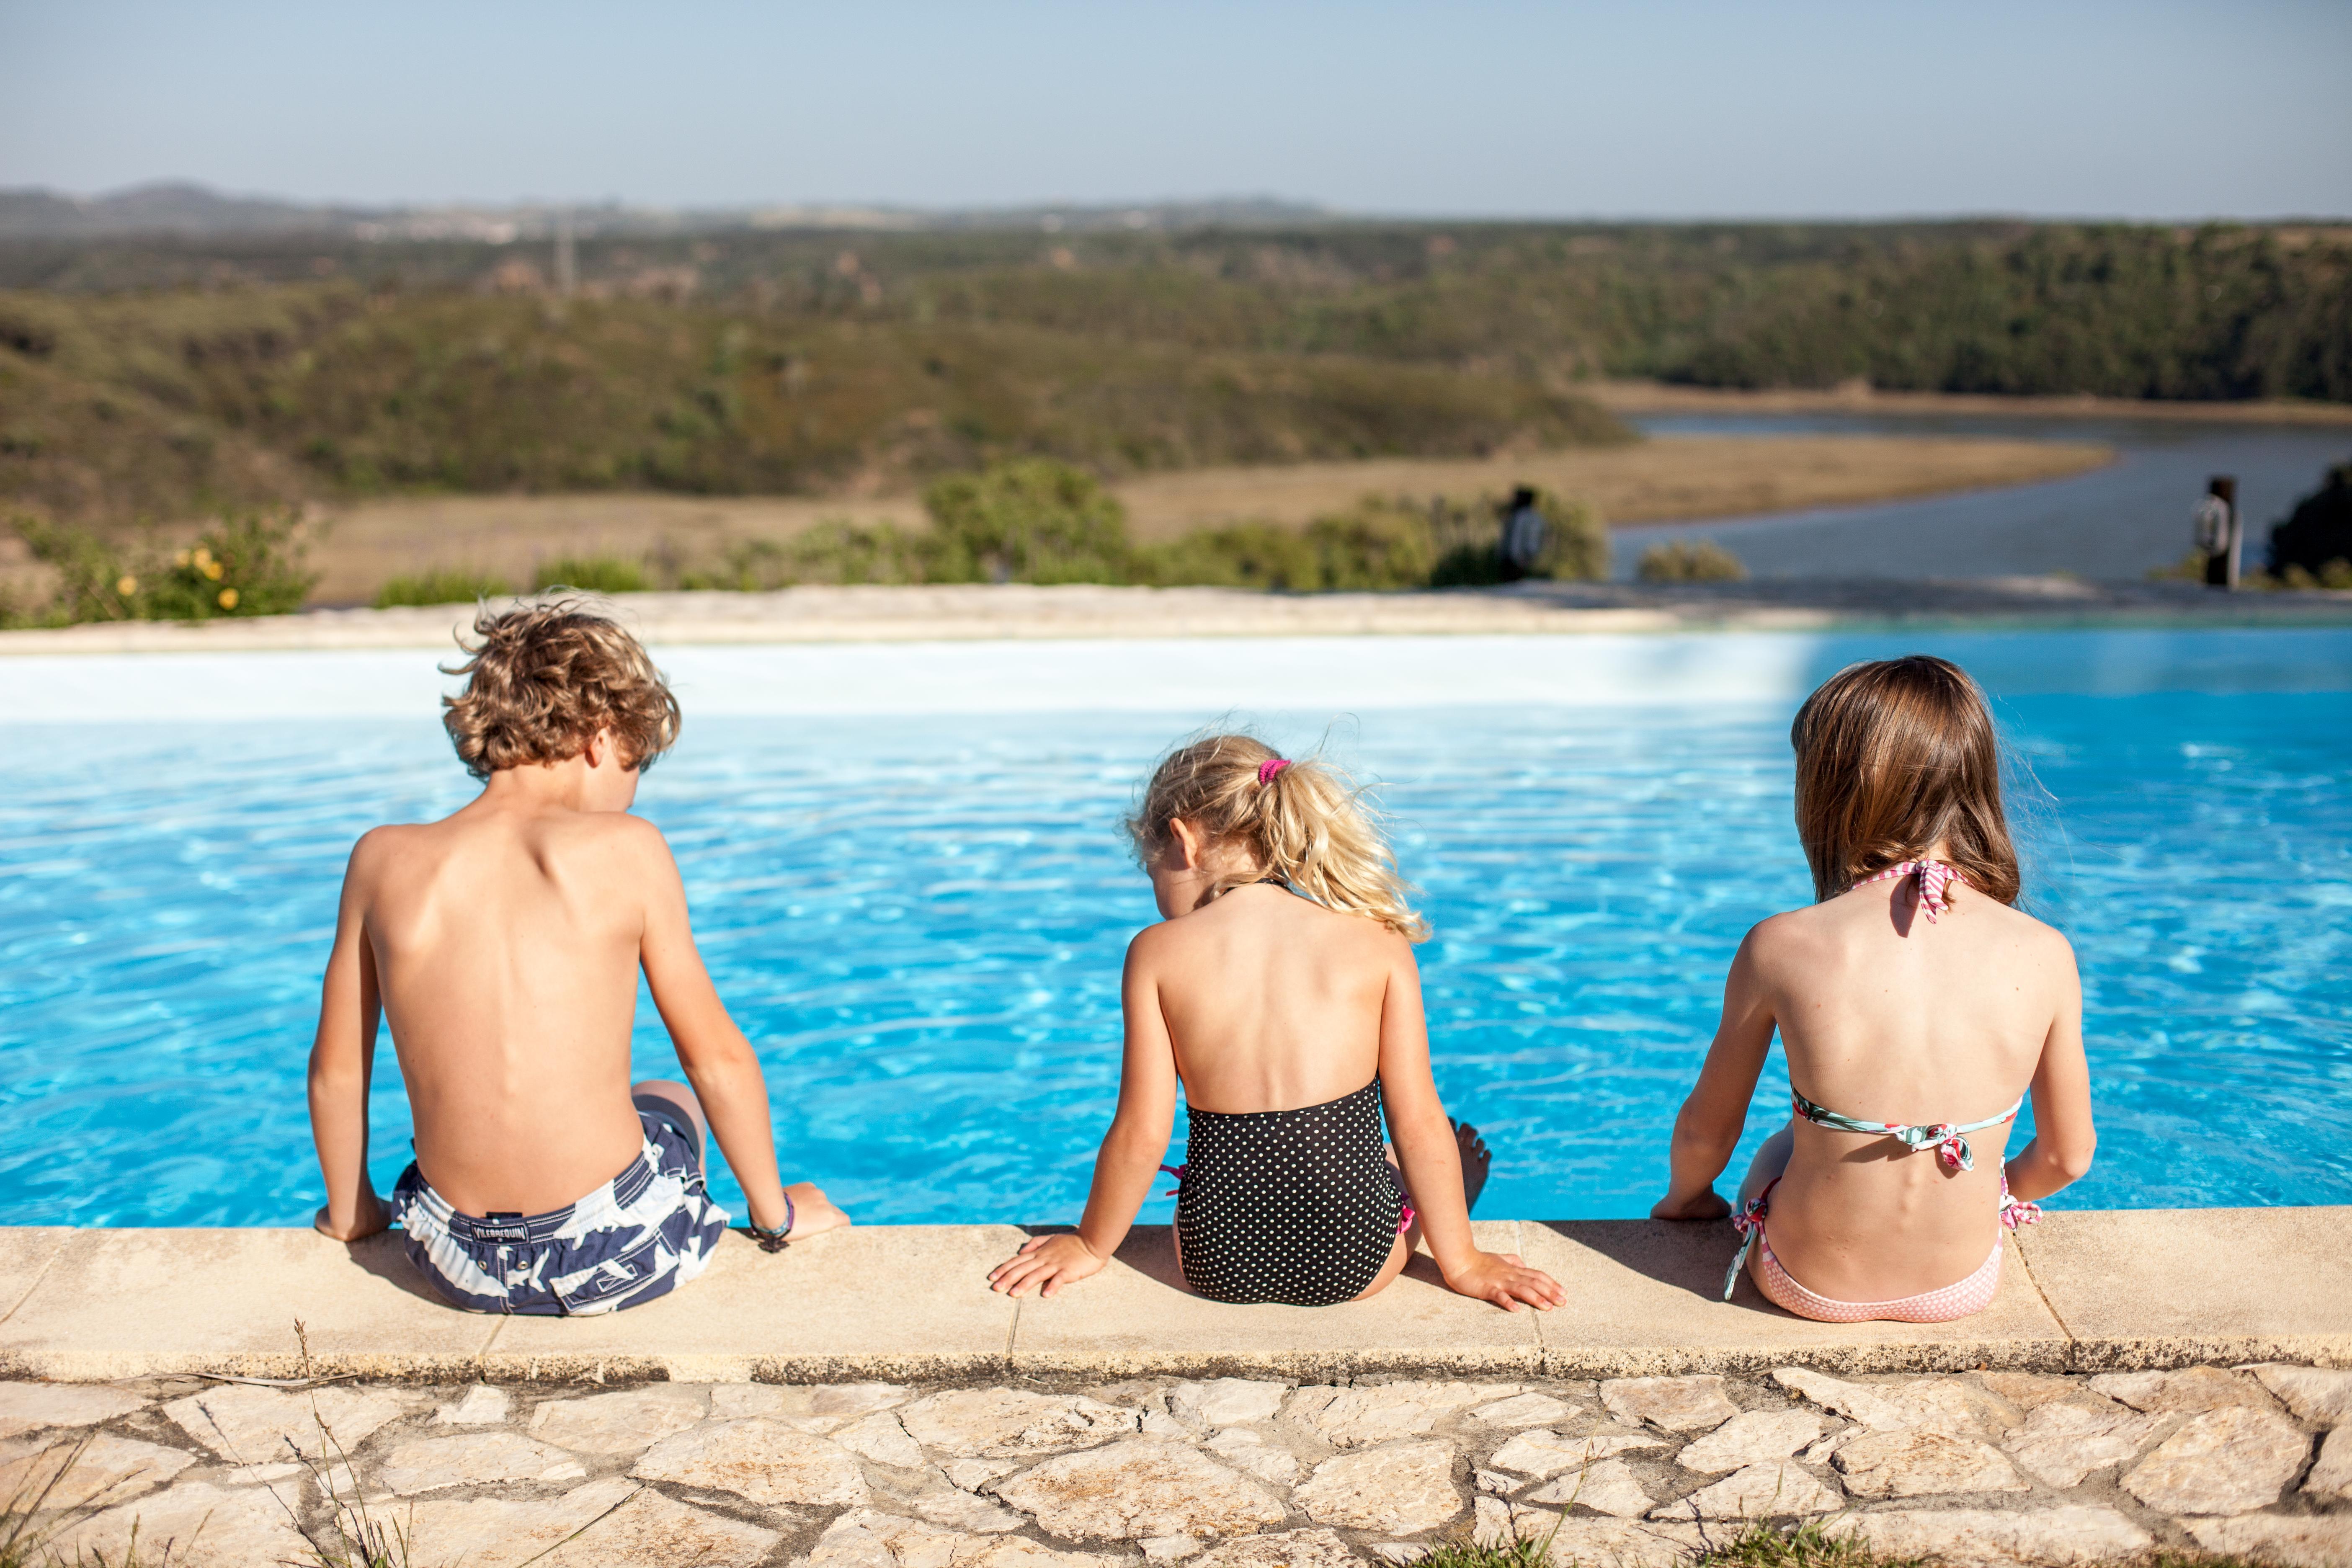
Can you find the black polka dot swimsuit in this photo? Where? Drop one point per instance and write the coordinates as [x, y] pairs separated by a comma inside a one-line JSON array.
[[1296, 1207]]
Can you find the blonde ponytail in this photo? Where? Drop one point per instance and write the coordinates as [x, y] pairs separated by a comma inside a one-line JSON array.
[[1303, 823]]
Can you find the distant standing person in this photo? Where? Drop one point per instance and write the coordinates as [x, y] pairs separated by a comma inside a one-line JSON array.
[[503, 946], [1525, 531], [1918, 1007], [1279, 990]]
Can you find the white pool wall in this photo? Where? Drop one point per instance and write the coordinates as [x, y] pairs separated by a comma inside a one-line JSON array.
[[1193, 675]]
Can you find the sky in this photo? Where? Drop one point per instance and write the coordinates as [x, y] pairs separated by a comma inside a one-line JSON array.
[[1644, 108]]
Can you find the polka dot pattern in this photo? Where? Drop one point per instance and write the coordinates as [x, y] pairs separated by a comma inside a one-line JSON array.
[[1296, 1207]]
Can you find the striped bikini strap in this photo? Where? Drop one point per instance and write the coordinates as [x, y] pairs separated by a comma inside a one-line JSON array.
[[1947, 1139], [1936, 880]]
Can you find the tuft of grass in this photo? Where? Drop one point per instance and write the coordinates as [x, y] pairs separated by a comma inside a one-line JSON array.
[[595, 574], [442, 586], [1809, 1545], [1677, 561]]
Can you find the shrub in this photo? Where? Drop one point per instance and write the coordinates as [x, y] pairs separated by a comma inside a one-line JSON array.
[[830, 553], [250, 565], [1376, 545], [1681, 561], [593, 575], [2319, 530], [1242, 555], [1030, 520], [1576, 540], [442, 586]]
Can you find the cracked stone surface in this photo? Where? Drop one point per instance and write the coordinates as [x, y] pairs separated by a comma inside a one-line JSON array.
[[1605, 1485], [483, 1404], [1751, 1438], [1547, 1454], [1012, 1423], [1143, 1487], [1760, 1491], [1916, 1463], [863, 1538], [437, 1464], [1402, 1489], [1982, 1538], [1380, 1413], [628, 1421], [2331, 1478], [1283, 1548], [619, 1523], [2321, 1396], [29, 1406], [203, 1525], [2062, 1442], [759, 1458], [1226, 1402], [1241, 1472], [108, 1469], [1528, 1409], [2322, 1540], [2192, 1390], [2232, 1459], [249, 1426], [1677, 1404], [1249, 1451]]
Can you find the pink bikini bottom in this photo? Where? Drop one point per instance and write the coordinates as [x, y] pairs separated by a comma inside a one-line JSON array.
[[1972, 1295]]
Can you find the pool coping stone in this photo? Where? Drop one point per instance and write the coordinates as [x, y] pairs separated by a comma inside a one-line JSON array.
[[2089, 1291]]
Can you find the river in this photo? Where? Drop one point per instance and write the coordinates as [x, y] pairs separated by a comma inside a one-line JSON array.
[[2114, 522]]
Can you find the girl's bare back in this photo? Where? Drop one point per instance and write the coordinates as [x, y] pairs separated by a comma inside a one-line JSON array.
[[1888, 1016]]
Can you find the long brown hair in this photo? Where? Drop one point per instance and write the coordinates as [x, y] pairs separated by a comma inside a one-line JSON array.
[[1894, 757], [1304, 822]]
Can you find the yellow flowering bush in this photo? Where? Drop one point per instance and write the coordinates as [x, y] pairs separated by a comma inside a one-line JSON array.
[[250, 565]]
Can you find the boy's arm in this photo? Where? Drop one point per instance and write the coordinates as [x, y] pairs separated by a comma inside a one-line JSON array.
[[1430, 1156], [342, 1060], [1130, 1155], [2064, 1136], [718, 1060], [1706, 1131]]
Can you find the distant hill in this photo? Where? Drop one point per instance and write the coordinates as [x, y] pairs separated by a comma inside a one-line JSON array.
[[182, 208]]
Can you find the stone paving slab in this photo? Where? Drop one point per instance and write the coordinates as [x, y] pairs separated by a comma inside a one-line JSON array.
[[2085, 1291], [1134, 1318], [2156, 1288], [1656, 1308]]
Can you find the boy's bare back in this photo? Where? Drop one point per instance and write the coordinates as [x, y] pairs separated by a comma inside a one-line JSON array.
[[506, 942]]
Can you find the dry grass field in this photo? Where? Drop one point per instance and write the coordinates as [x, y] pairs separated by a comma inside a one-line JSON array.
[[1668, 478]]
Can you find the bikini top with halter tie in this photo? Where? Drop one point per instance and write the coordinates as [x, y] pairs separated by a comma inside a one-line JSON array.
[[1949, 1139]]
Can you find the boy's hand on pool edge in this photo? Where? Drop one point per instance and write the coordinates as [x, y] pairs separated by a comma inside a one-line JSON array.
[[370, 1217], [1047, 1262], [1705, 1203], [1505, 1279]]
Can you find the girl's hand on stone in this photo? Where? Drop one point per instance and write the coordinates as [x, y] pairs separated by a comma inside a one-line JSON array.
[[1504, 1279], [370, 1217], [1705, 1203], [1048, 1262]]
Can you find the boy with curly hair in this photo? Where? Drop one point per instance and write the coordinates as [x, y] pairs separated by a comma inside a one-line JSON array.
[[502, 944]]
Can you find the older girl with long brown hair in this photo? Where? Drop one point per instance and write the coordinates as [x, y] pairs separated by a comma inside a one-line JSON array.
[[1279, 990], [1917, 1007]]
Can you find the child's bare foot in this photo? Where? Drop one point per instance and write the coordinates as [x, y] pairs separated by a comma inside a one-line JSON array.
[[1476, 1160]]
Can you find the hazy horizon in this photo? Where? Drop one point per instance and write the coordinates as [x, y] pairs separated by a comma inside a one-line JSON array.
[[1695, 112]]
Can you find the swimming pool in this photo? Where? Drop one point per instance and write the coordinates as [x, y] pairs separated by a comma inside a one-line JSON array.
[[908, 883]]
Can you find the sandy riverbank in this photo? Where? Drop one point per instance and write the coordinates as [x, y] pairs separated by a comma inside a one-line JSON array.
[[1656, 397], [1667, 480]]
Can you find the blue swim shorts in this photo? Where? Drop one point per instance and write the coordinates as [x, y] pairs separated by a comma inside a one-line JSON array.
[[646, 1231]]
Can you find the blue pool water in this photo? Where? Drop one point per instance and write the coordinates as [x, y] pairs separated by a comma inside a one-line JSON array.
[[919, 917]]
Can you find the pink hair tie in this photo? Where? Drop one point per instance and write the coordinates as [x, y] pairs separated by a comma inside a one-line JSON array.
[[1271, 766]]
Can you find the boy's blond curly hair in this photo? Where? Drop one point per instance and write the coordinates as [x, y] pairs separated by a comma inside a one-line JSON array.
[[541, 679]]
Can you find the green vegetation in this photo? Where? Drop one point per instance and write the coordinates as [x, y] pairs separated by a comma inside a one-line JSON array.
[[2312, 547], [1812, 1544], [244, 564], [1701, 562], [595, 574], [442, 586]]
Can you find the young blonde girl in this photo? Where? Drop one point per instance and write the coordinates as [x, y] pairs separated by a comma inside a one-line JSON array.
[[1917, 1007], [1280, 991]]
